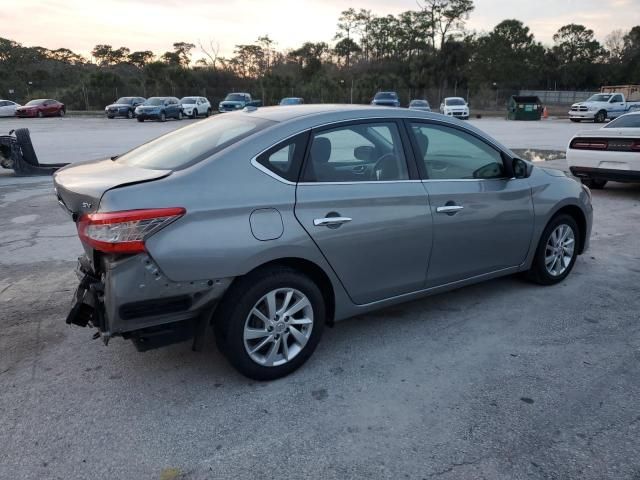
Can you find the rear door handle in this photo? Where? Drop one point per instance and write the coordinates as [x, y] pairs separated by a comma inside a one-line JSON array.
[[449, 209], [331, 221]]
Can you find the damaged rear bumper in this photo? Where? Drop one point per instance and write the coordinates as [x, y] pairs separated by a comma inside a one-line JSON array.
[[132, 298]]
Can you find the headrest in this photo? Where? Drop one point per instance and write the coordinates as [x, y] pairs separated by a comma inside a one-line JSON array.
[[320, 150], [423, 143]]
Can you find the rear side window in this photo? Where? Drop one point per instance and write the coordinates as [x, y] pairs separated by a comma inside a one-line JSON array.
[[186, 146], [285, 159]]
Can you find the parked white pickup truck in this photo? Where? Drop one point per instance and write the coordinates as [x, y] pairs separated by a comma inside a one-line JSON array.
[[602, 106]]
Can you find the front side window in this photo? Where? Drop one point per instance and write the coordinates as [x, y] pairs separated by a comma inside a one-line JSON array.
[[451, 154], [616, 99], [356, 153]]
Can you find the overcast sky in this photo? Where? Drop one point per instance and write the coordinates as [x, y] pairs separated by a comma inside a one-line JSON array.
[[156, 24]]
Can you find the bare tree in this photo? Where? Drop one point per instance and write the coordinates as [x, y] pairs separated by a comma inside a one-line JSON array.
[[614, 43], [212, 52]]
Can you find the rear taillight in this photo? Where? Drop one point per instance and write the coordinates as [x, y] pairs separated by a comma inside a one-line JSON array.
[[126, 231], [589, 144], [635, 146]]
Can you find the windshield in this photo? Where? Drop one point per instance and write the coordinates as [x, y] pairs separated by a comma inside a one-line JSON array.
[[155, 101], [235, 97], [599, 98], [290, 101], [191, 144], [625, 121], [189, 100], [455, 101], [386, 96], [125, 100], [419, 103], [36, 102]]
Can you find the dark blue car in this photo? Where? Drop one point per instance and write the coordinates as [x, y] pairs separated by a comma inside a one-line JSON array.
[[159, 108]]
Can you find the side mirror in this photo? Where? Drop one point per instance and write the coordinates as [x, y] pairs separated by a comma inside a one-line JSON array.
[[364, 153], [520, 168]]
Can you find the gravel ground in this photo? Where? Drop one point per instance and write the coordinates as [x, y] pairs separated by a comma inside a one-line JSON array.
[[501, 380]]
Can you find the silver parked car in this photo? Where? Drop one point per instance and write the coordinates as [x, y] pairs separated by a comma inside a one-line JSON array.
[[272, 222]]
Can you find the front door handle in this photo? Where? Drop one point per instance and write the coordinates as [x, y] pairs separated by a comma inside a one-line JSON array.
[[331, 221], [449, 209]]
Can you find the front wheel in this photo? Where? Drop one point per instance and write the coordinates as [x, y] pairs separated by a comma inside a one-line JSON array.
[[61, 113], [575, 120], [194, 113], [208, 114], [40, 114], [179, 117], [129, 114], [600, 117], [594, 183], [140, 119], [163, 117], [270, 322], [557, 251]]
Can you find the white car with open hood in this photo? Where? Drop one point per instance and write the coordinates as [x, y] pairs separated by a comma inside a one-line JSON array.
[[609, 153]]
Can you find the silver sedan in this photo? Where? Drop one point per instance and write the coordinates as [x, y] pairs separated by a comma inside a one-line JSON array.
[[271, 223]]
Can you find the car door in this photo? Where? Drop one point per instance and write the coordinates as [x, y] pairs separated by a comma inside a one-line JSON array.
[[617, 106], [5, 109], [482, 217], [365, 208]]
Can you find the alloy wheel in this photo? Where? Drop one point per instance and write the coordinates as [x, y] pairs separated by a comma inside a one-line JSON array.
[[278, 327], [559, 250]]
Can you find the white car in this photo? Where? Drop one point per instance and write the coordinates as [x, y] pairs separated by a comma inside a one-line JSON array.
[[8, 108], [608, 153], [455, 107], [195, 106]]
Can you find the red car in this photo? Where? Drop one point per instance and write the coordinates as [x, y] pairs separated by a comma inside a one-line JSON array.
[[41, 108]]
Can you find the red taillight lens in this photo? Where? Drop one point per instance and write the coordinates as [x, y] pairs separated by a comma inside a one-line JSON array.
[[589, 144], [126, 231], [635, 146]]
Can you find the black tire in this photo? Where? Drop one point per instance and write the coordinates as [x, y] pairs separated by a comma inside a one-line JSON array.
[[600, 117], [194, 113], [24, 140], [594, 183], [179, 117], [163, 117], [208, 114], [575, 120], [140, 119], [61, 113], [40, 114], [130, 114], [231, 315], [110, 117], [538, 272]]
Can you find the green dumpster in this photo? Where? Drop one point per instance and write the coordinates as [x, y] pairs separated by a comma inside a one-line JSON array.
[[524, 108]]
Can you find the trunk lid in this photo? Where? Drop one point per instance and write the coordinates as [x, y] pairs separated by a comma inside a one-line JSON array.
[[80, 187]]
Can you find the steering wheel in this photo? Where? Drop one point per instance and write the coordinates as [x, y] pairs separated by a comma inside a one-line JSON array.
[[378, 167]]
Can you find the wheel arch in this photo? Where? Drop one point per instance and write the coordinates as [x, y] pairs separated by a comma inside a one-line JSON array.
[[578, 215], [313, 271]]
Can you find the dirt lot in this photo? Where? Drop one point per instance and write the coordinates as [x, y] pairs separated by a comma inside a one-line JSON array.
[[502, 380]]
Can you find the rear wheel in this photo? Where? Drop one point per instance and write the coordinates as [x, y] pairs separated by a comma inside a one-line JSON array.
[[270, 322], [163, 117], [179, 117], [208, 114], [40, 114], [557, 251], [600, 117], [129, 114], [594, 183]]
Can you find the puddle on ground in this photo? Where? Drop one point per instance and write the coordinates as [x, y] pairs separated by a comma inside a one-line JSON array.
[[537, 155]]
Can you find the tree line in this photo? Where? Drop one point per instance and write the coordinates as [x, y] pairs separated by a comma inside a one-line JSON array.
[[419, 53]]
